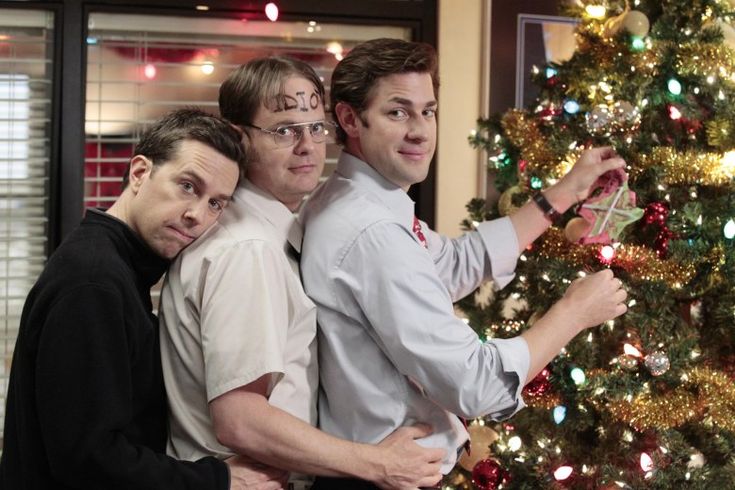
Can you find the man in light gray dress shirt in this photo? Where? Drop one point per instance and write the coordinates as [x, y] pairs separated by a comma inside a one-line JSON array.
[[392, 352]]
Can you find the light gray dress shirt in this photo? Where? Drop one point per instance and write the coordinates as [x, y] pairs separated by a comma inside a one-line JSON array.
[[391, 350]]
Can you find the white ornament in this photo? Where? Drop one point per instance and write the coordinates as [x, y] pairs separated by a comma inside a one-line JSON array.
[[696, 460], [636, 23], [727, 32]]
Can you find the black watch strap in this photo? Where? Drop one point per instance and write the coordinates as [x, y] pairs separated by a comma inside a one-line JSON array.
[[545, 206]]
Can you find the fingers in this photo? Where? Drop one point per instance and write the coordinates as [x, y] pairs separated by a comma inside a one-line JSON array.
[[436, 455], [272, 485], [431, 480], [604, 152], [611, 164], [606, 274], [418, 431]]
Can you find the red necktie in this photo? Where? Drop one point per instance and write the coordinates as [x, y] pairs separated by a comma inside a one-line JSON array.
[[417, 231]]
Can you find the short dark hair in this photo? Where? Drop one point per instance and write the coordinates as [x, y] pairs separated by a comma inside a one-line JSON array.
[[356, 75], [254, 83], [160, 141]]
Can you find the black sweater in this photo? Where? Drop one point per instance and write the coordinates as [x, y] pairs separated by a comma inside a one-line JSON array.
[[86, 404]]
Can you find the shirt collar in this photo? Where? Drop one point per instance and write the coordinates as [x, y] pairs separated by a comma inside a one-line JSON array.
[[394, 198], [273, 211]]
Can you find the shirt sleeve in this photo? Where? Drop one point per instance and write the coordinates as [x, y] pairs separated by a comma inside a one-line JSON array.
[[84, 396], [463, 263], [396, 287], [244, 316]]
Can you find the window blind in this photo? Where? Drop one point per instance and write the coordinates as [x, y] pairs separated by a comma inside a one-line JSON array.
[[26, 38], [142, 66]]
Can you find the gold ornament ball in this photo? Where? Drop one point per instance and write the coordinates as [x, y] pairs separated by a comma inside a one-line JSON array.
[[505, 202], [636, 23], [576, 228], [481, 436]]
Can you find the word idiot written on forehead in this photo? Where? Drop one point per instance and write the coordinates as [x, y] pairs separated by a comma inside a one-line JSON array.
[[301, 102]]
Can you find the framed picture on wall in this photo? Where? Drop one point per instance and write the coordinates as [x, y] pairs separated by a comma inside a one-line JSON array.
[[541, 39]]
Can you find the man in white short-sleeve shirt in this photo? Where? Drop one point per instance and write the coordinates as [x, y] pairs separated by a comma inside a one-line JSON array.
[[238, 333]]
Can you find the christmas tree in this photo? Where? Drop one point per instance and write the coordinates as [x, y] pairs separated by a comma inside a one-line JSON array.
[[646, 400]]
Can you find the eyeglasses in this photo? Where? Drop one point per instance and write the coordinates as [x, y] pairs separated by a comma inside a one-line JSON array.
[[290, 134]]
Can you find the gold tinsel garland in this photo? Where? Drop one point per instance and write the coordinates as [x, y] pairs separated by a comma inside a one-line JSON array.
[[679, 168], [702, 59], [720, 132], [705, 395], [524, 133], [639, 262], [686, 168], [547, 401]]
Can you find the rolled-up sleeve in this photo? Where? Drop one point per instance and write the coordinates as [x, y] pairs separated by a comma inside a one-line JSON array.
[[514, 363]]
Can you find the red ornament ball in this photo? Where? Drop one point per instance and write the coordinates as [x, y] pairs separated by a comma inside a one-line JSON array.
[[656, 213], [488, 474], [540, 385]]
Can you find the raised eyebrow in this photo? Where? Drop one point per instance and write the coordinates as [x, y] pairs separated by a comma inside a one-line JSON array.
[[193, 176], [293, 123], [409, 103]]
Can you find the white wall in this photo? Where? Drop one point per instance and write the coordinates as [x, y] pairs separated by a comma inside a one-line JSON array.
[[461, 67]]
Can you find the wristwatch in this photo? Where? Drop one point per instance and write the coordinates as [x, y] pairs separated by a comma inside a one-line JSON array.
[[549, 212]]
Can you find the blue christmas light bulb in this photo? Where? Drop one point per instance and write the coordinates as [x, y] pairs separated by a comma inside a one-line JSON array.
[[729, 229], [560, 413], [578, 376], [674, 86], [571, 106]]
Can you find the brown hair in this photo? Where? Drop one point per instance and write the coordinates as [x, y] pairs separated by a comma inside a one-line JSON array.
[[356, 75], [160, 141], [254, 83]]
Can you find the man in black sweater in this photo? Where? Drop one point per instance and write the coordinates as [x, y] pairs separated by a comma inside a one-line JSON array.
[[86, 406]]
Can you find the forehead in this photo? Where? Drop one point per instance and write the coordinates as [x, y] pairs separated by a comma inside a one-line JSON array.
[[204, 161], [298, 98], [416, 88]]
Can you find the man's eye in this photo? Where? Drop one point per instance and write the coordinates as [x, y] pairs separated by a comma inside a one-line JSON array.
[[398, 114], [318, 128], [188, 187], [285, 131], [215, 205], [430, 112]]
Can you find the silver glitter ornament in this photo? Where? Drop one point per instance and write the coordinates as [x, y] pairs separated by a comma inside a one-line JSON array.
[[657, 363]]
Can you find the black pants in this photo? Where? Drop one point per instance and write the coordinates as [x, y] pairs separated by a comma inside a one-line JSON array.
[[324, 483]]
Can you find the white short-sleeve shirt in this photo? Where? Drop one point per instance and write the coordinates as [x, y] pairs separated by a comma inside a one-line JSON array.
[[233, 310]]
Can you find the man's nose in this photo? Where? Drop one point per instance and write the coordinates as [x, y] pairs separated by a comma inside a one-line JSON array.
[[419, 129], [305, 143], [196, 212]]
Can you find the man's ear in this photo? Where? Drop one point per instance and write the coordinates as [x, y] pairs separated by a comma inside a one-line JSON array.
[[348, 118], [140, 169]]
